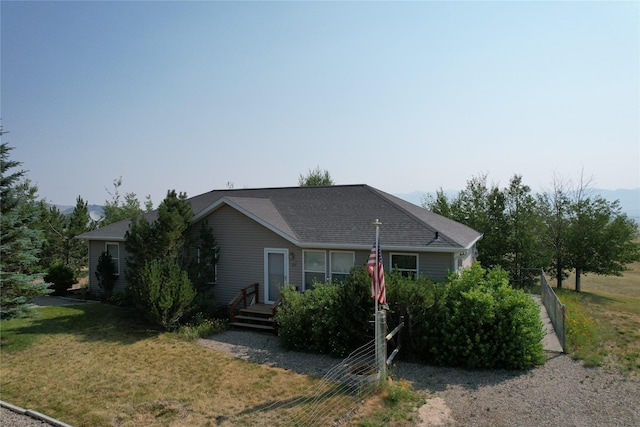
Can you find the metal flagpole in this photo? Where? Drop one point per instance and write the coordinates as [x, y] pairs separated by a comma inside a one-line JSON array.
[[376, 278], [380, 341]]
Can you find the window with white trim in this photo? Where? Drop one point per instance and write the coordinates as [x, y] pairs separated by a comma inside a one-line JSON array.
[[113, 249], [314, 269], [406, 264], [341, 265]]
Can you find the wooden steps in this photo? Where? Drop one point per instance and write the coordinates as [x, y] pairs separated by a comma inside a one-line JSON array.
[[257, 317]]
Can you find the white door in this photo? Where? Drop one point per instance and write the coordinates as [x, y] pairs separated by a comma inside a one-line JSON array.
[[276, 272]]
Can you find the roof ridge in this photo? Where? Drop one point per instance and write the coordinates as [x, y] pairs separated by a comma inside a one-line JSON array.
[[290, 187]]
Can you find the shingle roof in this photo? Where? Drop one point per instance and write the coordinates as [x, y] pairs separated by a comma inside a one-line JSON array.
[[331, 216]]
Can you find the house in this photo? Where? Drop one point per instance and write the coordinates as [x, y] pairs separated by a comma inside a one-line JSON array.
[[298, 235]]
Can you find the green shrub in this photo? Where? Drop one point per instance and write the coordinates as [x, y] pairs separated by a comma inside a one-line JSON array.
[[485, 323], [119, 299], [163, 292], [201, 326], [475, 320], [106, 274], [62, 277], [332, 318], [415, 300]]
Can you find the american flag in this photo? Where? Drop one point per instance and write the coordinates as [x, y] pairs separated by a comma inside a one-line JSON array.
[[377, 277]]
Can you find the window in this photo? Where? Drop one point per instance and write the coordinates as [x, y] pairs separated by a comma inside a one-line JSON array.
[[209, 270], [315, 268], [406, 264], [113, 249], [341, 264]]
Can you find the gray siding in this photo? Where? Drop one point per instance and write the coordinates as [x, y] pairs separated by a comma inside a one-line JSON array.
[[435, 265], [242, 242]]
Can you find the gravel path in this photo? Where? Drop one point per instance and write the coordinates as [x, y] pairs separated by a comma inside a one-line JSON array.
[[561, 392], [9, 418]]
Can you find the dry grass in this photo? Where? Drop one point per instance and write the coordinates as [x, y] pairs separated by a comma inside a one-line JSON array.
[[88, 366], [613, 305]]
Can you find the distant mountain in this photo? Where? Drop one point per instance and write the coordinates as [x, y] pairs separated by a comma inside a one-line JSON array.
[[629, 199], [68, 210]]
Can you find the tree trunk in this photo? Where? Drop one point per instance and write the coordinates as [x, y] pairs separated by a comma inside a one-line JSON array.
[[559, 274], [577, 280]]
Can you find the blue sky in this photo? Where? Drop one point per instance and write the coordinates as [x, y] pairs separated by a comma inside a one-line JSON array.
[[403, 96]]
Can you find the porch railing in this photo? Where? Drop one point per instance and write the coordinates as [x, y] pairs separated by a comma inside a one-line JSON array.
[[246, 296]]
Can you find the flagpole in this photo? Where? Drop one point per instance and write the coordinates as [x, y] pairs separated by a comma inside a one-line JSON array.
[[380, 349], [376, 278]]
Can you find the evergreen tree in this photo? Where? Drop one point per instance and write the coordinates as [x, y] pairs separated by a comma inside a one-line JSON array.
[[118, 209], [60, 245], [51, 222], [158, 261], [76, 250], [19, 242]]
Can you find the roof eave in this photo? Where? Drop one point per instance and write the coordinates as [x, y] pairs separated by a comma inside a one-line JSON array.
[[386, 248], [100, 238]]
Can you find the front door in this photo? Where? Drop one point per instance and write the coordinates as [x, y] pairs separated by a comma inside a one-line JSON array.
[[276, 272]]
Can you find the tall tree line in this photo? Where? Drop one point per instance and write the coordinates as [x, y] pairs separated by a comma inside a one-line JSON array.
[[562, 230]]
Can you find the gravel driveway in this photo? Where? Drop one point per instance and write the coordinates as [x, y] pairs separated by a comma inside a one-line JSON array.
[[561, 392]]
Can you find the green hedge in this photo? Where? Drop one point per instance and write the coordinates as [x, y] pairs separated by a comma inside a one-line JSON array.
[[484, 323], [331, 319], [474, 320], [61, 277]]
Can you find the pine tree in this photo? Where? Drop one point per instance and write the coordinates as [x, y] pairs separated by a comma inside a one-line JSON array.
[[157, 265], [19, 241], [60, 231]]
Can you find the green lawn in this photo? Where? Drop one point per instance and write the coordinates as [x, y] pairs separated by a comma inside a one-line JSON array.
[[97, 365], [604, 320]]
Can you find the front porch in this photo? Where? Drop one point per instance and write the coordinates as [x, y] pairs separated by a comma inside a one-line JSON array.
[[246, 311]]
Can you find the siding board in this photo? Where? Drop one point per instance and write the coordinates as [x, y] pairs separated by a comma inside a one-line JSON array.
[[242, 242]]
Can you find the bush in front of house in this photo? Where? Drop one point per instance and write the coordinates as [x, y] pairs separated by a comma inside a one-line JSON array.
[[106, 274], [483, 322], [332, 318], [164, 292], [61, 277], [202, 326], [414, 300], [474, 320]]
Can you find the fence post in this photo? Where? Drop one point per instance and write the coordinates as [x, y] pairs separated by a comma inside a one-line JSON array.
[[381, 344]]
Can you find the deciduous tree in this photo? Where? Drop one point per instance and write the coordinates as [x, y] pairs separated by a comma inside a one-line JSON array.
[[600, 238], [315, 178], [555, 204]]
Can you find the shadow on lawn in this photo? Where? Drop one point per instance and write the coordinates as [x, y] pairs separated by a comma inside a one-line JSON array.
[[90, 322]]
